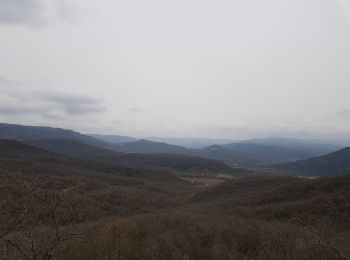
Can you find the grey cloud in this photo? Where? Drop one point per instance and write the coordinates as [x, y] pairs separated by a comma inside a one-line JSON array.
[[74, 104], [10, 109], [32, 12], [22, 12], [4, 82], [64, 98], [136, 110], [344, 113], [47, 105]]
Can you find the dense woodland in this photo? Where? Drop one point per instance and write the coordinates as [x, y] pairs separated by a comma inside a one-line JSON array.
[[55, 206]]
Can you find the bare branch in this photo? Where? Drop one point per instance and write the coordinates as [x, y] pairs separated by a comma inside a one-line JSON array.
[[322, 240]]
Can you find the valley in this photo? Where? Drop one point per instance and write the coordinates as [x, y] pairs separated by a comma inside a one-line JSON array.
[[63, 198]]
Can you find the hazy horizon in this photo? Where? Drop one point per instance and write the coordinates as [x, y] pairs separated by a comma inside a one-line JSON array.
[[200, 69]]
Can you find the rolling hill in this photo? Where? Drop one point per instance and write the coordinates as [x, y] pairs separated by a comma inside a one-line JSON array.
[[104, 189], [214, 152], [269, 154], [257, 152], [336, 163], [309, 146], [245, 154], [146, 146], [25, 133], [10, 149], [76, 149], [142, 152], [191, 143], [231, 157]]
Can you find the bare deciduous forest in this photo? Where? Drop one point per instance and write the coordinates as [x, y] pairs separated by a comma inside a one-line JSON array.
[[119, 216]]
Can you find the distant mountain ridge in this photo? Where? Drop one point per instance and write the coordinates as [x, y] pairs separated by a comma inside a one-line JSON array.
[[214, 152], [146, 146], [191, 143], [83, 151], [73, 144], [116, 139], [256, 152], [307, 145], [245, 154], [271, 153], [231, 157]]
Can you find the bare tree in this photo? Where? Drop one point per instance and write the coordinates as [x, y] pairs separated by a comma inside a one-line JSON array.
[[33, 218]]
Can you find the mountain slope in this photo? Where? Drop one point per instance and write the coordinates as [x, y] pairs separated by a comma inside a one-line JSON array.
[[21, 132], [280, 150], [315, 147], [10, 149], [95, 189], [70, 143], [192, 143], [145, 146], [336, 163], [84, 151], [70, 147], [245, 154], [282, 197], [270, 153], [214, 152], [231, 157], [242, 154]]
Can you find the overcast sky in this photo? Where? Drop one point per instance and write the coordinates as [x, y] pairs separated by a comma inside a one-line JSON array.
[[199, 68]]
